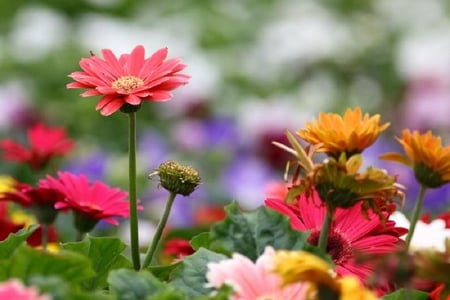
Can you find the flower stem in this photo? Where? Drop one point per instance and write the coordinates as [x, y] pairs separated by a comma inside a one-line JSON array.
[[45, 232], [159, 230], [132, 191], [79, 236], [323, 238], [416, 214]]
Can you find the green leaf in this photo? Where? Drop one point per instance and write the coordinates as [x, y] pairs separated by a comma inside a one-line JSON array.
[[27, 262], [163, 272], [402, 294], [128, 284], [105, 254], [249, 233], [201, 240], [10, 244], [190, 277]]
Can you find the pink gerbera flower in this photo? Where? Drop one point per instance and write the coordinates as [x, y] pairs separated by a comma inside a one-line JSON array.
[[129, 79], [90, 202], [13, 289], [351, 233], [251, 280], [42, 200], [44, 144]]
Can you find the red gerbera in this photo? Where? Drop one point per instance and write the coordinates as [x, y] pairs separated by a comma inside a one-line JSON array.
[[44, 144], [96, 201], [350, 234], [130, 79]]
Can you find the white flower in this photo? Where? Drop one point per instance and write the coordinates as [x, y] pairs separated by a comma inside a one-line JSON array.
[[426, 236]]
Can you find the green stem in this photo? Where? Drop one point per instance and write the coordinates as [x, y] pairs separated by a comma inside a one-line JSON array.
[[159, 230], [323, 238], [44, 241], [416, 213], [79, 236], [134, 236]]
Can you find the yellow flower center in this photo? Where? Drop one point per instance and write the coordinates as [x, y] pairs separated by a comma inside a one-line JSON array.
[[127, 83]]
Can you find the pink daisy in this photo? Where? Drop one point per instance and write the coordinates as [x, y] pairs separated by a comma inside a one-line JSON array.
[[251, 280], [130, 79], [96, 201], [44, 144], [13, 289], [351, 233]]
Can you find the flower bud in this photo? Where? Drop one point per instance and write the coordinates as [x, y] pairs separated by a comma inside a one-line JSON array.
[[177, 178]]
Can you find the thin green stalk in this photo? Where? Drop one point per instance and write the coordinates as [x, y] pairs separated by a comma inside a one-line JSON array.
[[416, 213], [44, 241], [323, 238], [159, 230], [132, 191], [79, 236]]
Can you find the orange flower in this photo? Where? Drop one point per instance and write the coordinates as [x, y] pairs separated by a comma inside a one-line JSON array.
[[425, 155], [351, 134]]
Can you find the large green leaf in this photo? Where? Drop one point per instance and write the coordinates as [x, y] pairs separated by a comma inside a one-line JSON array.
[[402, 294], [10, 244], [27, 262], [59, 289], [190, 277], [105, 254], [249, 233], [126, 284]]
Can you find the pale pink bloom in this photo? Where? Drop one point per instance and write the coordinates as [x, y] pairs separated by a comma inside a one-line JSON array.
[[252, 281], [130, 79], [13, 289]]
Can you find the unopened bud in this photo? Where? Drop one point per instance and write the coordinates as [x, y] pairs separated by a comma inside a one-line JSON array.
[[177, 178]]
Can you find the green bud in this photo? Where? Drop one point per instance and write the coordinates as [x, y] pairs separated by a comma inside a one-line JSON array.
[[177, 178]]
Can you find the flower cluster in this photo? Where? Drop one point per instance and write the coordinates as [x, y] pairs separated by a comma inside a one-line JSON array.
[[331, 231]]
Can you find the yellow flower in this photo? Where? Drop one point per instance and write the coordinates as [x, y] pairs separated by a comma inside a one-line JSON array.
[[294, 266], [351, 133], [7, 184], [425, 155], [351, 289], [302, 266]]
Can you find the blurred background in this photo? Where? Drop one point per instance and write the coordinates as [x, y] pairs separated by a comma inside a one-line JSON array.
[[258, 67]]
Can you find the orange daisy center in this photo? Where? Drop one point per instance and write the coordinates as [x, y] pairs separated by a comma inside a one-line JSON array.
[[127, 83]]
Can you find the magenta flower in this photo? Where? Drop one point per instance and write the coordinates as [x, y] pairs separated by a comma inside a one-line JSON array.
[[351, 234], [44, 144], [13, 289], [251, 280], [130, 79], [94, 202]]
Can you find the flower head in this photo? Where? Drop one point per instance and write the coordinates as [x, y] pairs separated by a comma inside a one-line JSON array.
[[251, 280], [42, 200], [44, 144], [350, 234], [426, 156], [176, 178], [90, 202], [340, 184], [350, 134], [14, 289], [127, 81], [301, 266]]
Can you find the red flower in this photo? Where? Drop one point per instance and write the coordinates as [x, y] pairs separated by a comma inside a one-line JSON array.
[[95, 201], [44, 144], [26, 195], [436, 293], [351, 234], [178, 247], [130, 79]]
